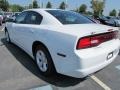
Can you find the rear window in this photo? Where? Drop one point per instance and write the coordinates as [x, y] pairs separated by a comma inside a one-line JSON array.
[[69, 17]]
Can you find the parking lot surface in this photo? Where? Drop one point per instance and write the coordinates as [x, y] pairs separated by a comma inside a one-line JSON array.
[[19, 72]]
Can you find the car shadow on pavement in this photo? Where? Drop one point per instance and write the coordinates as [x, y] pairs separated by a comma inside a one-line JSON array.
[[28, 63]]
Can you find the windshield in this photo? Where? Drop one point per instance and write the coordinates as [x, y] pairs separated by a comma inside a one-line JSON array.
[[69, 17]]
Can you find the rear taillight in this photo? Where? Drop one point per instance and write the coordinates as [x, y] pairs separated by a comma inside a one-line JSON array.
[[92, 41]]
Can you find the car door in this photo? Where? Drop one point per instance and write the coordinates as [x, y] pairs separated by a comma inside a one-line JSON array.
[[18, 26], [27, 32]]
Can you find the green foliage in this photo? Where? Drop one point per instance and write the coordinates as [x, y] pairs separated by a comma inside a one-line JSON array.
[[4, 5], [82, 9], [35, 4], [119, 13], [49, 5], [62, 5], [98, 7], [113, 13], [89, 13], [16, 8]]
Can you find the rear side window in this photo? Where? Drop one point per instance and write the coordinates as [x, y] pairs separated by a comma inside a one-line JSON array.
[[69, 17], [33, 18]]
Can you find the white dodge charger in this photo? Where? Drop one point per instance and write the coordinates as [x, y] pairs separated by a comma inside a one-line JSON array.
[[64, 41]]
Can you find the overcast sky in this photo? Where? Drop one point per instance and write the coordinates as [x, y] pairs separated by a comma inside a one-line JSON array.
[[110, 4]]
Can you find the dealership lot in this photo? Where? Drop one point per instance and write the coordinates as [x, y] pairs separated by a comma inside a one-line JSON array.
[[19, 71]]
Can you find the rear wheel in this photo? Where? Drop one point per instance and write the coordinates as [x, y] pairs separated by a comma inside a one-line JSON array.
[[44, 60]]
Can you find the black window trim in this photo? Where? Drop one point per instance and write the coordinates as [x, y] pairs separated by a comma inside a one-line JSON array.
[[27, 15], [34, 12]]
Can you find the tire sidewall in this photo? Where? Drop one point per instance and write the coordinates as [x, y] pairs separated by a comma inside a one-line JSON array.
[[6, 32], [50, 69]]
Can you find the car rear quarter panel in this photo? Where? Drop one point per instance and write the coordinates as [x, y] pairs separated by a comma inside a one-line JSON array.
[[62, 43]]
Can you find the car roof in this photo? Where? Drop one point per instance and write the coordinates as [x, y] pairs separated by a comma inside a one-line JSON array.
[[48, 19], [43, 9]]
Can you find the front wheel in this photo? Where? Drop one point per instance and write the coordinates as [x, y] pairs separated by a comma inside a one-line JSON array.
[[0, 24], [44, 61], [7, 36]]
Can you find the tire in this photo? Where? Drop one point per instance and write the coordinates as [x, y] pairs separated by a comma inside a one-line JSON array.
[[7, 36], [44, 61], [0, 23]]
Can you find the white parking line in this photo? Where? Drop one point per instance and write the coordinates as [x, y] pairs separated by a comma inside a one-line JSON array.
[[48, 87], [104, 86]]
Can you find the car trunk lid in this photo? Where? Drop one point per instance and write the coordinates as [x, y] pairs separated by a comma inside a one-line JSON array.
[[81, 30]]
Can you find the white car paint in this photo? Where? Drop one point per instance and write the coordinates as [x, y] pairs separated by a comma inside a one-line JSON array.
[[59, 38]]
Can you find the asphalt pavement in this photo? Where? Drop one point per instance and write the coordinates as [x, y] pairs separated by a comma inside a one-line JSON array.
[[19, 72], [2, 27]]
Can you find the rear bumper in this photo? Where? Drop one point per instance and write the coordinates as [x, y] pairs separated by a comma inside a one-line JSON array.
[[89, 61], [81, 73]]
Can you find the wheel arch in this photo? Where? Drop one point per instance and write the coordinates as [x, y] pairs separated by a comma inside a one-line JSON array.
[[36, 43]]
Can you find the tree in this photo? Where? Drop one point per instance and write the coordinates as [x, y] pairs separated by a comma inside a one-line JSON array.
[[30, 6], [89, 13], [82, 9], [49, 5], [113, 13], [119, 13], [62, 5], [4, 5], [35, 4], [16, 8], [98, 7]]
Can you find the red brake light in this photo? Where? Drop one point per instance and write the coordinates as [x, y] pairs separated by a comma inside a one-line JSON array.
[[84, 42], [91, 41]]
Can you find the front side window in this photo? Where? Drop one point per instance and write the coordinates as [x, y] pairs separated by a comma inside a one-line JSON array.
[[21, 18], [33, 18], [69, 17], [1, 13]]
